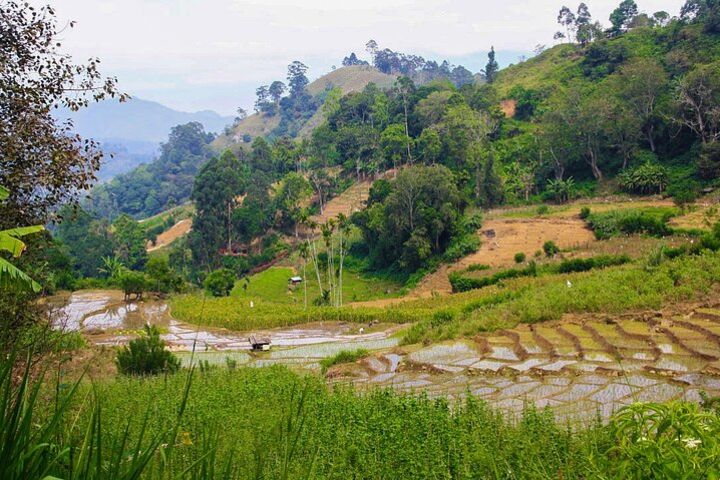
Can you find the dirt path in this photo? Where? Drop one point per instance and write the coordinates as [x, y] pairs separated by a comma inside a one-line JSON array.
[[178, 230]]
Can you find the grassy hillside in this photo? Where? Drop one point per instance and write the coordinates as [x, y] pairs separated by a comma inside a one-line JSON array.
[[347, 79], [677, 48]]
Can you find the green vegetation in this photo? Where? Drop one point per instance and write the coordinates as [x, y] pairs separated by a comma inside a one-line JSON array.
[[277, 303], [412, 219], [271, 423], [220, 282], [548, 297], [160, 185], [550, 248], [633, 108], [344, 356], [163, 221], [10, 275], [649, 221], [147, 355], [462, 283]]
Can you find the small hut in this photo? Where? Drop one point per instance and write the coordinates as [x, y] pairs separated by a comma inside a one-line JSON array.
[[295, 280], [259, 344]]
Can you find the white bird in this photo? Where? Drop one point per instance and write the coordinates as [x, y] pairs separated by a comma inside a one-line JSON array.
[[569, 284], [252, 304], [362, 330]]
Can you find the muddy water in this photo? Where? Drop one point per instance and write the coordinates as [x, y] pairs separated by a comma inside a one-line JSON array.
[[108, 320], [577, 368]]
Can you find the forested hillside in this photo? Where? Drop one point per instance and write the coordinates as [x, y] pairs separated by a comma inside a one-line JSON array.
[[631, 109]]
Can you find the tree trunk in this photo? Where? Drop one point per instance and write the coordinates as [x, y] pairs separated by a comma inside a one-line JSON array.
[[592, 161], [651, 137]]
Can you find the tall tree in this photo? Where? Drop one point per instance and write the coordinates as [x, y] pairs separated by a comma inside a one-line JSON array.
[[621, 18], [492, 66], [297, 80], [698, 102], [276, 90], [42, 161], [262, 95], [87, 238], [130, 242], [218, 187], [586, 30], [641, 85], [489, 188], [404, 88], [566, 18]]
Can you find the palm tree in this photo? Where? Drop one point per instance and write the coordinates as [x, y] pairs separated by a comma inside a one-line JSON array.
[[10, 275], [304, 253]]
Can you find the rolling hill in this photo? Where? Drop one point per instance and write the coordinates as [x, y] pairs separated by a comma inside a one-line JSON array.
[[130, 133], [348, 79]]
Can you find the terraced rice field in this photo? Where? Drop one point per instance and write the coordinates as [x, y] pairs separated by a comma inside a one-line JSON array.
[[580, 366]]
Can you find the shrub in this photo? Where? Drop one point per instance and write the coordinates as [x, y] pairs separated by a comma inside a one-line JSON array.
[[519, 257], [220, 282], [550, 248], [543, 210], [610, 224], [561, 190], [645, 179], [147, 355], [133, 283], [461, 247], [584, 212], [585, 264], [477, 267], [472, 223], [163, 278], [441, 318], [647, 435], [463, 284]]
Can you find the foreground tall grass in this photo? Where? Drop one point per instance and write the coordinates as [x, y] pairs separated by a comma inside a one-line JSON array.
[[272, 424]]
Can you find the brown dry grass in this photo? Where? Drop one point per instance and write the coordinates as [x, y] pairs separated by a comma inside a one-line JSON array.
[[178, 230]]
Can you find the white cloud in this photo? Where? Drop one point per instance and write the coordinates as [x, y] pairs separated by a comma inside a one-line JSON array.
[[170, 50]]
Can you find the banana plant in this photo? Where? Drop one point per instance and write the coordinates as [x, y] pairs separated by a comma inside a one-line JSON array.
[[10, 275]]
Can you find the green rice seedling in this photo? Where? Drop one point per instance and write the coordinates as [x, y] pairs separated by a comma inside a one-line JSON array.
[[343, 356]]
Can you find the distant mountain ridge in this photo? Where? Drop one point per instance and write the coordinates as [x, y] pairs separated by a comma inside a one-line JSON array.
[[138, 120], [130, 132]]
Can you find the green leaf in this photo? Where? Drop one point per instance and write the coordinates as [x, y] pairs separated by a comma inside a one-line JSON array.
[[13, 277], [4, 193], [11, 244], [9, 238], [22, 231]]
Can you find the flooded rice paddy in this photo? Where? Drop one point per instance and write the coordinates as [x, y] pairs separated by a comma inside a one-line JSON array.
[[578, 368]]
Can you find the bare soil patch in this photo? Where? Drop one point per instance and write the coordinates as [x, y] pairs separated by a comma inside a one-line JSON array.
[[178, 230]]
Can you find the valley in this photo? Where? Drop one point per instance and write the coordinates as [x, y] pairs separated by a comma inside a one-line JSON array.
[[382, 265]]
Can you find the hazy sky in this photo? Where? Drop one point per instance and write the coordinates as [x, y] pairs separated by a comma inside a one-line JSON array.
[[211, 54]]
